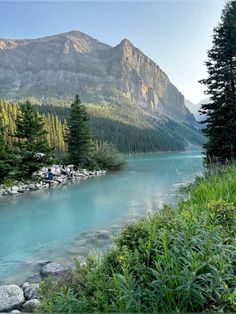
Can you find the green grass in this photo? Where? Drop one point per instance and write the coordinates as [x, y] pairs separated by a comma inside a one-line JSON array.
[[178, 260]]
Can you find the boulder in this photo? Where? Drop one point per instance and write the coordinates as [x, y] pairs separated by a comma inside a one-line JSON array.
[[54, 269], [30, 306], [31, 292], [11, 297]]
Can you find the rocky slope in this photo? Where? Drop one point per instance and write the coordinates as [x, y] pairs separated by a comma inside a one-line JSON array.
[[59, 66]]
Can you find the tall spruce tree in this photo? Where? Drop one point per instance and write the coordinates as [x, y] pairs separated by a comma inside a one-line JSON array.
[[221, 86], [31, 135], [78, 137], [7, 157]]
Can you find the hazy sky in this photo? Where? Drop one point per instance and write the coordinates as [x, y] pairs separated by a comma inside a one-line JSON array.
[[175, 34]]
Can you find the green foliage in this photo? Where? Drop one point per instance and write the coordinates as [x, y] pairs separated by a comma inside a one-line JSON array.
[[126, 127], [8, 182], [7, 158], [178, 260], [107, 157], [78, 138], [221, 86], [31, 140]]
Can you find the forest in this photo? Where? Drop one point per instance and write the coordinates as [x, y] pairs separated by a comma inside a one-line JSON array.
[[127, 127]]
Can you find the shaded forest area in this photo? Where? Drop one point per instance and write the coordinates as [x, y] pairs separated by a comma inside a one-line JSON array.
[[127, 127]]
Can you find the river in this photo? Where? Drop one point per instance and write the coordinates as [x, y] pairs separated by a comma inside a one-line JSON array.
[[61, 223]]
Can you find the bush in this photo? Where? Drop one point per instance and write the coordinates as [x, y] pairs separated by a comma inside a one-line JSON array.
[[107, 157]]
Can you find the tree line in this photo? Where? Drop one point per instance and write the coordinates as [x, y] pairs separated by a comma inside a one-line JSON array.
[[127, 129], [26, 144]]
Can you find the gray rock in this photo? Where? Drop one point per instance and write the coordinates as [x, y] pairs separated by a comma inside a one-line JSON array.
[[21, 189], [11, 297], [54, 269], [25, 285], [32, 187], [30, 306], [43, 263], [31, 292]]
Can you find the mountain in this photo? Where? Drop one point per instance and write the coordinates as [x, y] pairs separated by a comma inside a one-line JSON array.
[[194, 108], [60, 66]]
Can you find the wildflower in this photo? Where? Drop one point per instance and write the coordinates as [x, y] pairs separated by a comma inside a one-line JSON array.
[[120, 258]]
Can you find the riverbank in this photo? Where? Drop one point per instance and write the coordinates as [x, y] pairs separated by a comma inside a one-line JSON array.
[[61, 175], [178, 260]]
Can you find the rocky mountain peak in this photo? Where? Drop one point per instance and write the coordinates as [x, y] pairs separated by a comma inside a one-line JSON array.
[[125, 42], [62, 65]]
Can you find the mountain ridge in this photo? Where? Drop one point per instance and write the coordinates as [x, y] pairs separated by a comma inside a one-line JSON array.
[[61, 65]]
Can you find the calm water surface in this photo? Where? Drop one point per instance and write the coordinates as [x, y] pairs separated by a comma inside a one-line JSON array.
[[61, 223]]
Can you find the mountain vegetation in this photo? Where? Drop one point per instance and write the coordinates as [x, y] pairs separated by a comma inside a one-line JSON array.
[[30, 141], [126, 127], [7, 157], [79, 137], [26, 141], [221, 87]]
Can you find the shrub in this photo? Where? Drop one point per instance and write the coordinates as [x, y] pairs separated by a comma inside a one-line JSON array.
[[107, 157]]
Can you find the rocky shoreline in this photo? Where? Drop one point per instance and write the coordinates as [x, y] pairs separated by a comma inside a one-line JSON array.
[[18, 298], [24, 298], [61, 175]]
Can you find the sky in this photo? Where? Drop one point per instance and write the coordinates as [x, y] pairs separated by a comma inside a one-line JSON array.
[[175, 34]]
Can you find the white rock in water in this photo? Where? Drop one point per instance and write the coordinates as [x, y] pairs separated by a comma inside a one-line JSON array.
[[11, 297], [15, 189], [30, 306], [54, 269]]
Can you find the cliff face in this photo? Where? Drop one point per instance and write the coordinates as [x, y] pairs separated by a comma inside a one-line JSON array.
[[62, 65]]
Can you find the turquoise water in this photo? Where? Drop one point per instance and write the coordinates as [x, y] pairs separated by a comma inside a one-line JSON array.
[[61, 223]]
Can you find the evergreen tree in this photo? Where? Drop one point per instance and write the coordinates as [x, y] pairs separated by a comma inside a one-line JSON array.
[[221, 86], [78, 137], [7, 158], [32, 143]]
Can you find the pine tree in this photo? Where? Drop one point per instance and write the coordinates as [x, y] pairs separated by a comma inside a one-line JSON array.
[[7, 158], [78, 136], [31, 135], [221, 86]]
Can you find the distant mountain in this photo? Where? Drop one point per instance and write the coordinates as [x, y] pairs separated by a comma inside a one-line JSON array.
[[194, 108], [60, 66]]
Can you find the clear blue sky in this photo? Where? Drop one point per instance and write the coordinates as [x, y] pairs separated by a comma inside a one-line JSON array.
[[175, 34]]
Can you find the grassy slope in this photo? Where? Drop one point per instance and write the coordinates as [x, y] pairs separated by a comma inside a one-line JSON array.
[[179, 260]]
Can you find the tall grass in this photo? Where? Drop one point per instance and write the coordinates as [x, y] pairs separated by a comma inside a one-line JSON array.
[[178, 260]]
